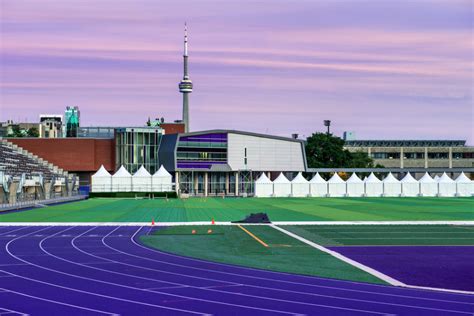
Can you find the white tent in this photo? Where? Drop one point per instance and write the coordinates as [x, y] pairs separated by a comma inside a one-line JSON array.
[[318, 186], [161, 181], [410, 186], [354, 186], [428, 186], [263, 186], [464, 185], [122, 181], [391, 186], [373, 186], [336, 186], [299, 186], [101, 181], [436, 178], [281, 186], [141, 180], [446, 186]]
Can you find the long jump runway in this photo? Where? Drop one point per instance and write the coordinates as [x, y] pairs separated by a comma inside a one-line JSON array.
[[52, 270]]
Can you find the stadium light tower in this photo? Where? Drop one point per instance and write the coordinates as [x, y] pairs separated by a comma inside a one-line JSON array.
[[186, 85], [327, 123]]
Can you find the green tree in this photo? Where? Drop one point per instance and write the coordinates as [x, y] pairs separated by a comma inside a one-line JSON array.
[[32, 132], [327, 151], [16, 132]]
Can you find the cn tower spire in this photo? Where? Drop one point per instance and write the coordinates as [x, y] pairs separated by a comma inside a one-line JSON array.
[[186, 85]]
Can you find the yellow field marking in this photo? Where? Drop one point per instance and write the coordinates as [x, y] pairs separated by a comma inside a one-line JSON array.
[[253, 236]]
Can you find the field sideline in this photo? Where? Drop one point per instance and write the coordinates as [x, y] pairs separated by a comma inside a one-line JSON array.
[[230, 209]]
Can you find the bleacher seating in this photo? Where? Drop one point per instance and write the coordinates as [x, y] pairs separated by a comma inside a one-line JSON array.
[[14, 161]]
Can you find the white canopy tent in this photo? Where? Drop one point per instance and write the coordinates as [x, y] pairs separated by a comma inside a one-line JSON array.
[[428, 185], [299, 186], [263, 186], [281, 186], [391, 186], [162, 181], [101, 181], [373, 186], [446, 186], [436, 178], [354, 186], [336, 186], [141, 180], [122, 181], [464, 185], [318, 186], [410, 186]]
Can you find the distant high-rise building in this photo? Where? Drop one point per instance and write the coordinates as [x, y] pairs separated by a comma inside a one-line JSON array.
[[349, 135], [71, 121], [186, 85], [50, 125]]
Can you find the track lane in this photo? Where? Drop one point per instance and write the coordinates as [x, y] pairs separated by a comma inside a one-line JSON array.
[[106, 266]]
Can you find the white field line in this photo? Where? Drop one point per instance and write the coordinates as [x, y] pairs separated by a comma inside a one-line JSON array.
[[337, 255], [365, 268], [325, 223]]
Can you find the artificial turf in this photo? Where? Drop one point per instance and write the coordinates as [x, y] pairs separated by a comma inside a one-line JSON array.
[[387, 235], [230, 244], [230, 209]]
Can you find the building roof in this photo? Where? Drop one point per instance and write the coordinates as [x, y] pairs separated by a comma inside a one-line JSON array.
[[215, 131], [405, 143]]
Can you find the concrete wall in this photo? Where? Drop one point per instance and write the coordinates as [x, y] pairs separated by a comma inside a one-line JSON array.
[[264, 154]]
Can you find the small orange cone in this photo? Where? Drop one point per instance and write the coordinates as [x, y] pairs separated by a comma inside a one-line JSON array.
[[209, 231], [213, 222], [152, 222], [193, 231]]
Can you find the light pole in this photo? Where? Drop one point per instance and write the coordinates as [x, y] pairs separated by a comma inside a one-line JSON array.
[[328, 124]]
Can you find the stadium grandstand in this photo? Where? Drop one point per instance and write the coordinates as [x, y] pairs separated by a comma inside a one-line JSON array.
[[26, 179]]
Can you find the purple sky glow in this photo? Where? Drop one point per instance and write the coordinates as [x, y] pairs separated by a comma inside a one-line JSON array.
[[382, 68]]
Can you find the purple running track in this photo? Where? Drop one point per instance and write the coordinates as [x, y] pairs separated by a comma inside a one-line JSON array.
[[449, 267], [105, 270]]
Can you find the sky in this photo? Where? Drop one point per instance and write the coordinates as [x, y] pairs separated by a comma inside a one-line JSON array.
[[384, 69]]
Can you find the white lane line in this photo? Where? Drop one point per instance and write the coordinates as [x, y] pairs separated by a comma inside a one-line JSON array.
[[280, 223], [203, 288], [165, 272], [347, 260], [7, 311], [13, 230], [439, 289], [144, 290], [81, 291], [322, 295], [132, 239], [54, 301], [363, 267]]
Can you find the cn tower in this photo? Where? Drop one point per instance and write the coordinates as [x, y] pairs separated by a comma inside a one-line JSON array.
[[186, 85]]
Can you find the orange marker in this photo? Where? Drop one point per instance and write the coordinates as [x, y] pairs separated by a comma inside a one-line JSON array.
[[209, 231], [193, 231]]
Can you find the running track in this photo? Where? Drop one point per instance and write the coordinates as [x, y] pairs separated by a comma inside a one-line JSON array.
[[104, 270]]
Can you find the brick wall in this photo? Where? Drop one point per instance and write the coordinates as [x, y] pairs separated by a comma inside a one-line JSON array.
[[72, 154]]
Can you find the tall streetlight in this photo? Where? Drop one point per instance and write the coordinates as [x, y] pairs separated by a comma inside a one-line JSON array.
[[327, 123]]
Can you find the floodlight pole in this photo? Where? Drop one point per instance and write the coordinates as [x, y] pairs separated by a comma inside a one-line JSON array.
[[328, 124]]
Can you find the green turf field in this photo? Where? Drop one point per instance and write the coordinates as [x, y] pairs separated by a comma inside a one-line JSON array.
[[387, 235], [230, 209], [230, 244]]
